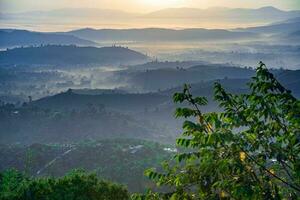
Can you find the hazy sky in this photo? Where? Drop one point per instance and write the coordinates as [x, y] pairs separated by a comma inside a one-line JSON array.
[[140, 5]]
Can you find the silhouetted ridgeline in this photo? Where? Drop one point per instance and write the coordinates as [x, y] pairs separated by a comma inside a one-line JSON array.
[[160, 34], [226, 15], [15, 38], [169, 17], [70, 55], [283, 27]]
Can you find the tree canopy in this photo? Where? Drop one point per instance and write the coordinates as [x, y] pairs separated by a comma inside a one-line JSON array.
[[250, 150], [75, 186]]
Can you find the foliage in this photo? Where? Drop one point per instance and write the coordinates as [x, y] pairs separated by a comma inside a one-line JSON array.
[[76, 186], [251, 150]]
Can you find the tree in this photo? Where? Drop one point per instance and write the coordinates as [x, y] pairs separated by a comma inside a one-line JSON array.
[[75, 186], [10, 183], [250, 150]]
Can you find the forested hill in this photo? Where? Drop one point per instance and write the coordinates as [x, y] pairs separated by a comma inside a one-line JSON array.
[[70, 55], [118, 101], [16, 38]]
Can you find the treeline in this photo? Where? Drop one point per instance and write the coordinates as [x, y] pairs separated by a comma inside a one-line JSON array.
[[76, 185]]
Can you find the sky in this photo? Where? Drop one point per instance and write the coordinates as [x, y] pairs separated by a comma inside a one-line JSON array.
[[140, 6]]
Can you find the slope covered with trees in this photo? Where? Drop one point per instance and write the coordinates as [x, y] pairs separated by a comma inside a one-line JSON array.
[[120, 160]]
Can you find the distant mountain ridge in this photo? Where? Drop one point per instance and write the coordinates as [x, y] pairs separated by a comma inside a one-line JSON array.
[[160, 34], [226, 15], [93, 17], [17, 38], [221, 11], [286, 26], [72, 13]]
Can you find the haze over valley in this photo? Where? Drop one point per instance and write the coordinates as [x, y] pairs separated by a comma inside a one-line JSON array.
[[92, 87]]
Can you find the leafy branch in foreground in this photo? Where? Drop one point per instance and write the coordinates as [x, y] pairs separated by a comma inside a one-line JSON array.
[[251, 150]]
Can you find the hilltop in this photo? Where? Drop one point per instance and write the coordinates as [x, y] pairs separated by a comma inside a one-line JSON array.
[[70, 55]]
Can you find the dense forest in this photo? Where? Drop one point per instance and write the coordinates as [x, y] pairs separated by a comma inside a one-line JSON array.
[[75, 185]]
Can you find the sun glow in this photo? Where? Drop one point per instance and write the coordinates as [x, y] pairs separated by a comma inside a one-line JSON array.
[[162, 3]]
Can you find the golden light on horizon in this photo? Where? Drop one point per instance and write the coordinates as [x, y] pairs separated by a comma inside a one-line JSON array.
[[162, 3], [140, 6]]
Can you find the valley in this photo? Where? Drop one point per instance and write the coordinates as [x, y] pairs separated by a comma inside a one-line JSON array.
[[93, 89]]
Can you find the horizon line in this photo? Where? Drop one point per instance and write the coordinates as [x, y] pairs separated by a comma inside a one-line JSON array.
[[148, 12]]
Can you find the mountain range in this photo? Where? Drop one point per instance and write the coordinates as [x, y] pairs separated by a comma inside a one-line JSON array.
[[72, 13], [286, 31], [159, 34], [283, 27], [168, 18], [226, 14]]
